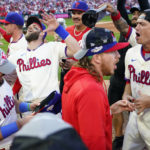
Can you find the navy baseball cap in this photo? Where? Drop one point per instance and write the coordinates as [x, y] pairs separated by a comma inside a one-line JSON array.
[[97, 41], [34, 19], [5, 66], [13, 18], [79, 5], [133, 9]]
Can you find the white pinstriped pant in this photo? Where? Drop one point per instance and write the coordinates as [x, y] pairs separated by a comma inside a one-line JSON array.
[[137, 133]]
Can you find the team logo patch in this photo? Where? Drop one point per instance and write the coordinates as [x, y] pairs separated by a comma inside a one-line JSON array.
[[77, 3], [97, 49]]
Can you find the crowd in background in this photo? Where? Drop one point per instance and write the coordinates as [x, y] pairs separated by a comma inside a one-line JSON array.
[[28, 7]]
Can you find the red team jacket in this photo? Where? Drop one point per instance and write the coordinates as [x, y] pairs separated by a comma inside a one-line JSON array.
[[85, 106]]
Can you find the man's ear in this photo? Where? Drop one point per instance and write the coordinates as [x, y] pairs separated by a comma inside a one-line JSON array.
[[97, 58], [41, 35]]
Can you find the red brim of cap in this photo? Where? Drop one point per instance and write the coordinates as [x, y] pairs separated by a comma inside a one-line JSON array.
[[117, 47], [4, 21], [77, 10]]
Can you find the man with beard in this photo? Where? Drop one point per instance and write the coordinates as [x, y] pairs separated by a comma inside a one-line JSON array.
[[84, 98], [37, 67], [77, 31]]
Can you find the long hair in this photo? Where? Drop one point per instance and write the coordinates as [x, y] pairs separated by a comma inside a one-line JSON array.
[[85, 62]]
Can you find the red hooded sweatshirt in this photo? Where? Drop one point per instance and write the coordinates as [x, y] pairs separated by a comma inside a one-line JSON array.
[[85, 106]]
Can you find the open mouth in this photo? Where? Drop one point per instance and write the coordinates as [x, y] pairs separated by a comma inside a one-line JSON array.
[[137, 34]]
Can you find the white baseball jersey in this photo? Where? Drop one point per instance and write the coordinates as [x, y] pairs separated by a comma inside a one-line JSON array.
[[7, 109], [137, 70], [37, 70], [13, 47]]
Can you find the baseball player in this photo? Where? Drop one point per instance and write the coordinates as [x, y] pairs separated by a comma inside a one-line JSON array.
[[9, 106], [13, 24], [137, 75], [117, 82], [14, 35], [37, 67], [77, 31]]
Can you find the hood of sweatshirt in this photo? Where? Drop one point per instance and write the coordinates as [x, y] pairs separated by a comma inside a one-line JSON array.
[[75, 73]]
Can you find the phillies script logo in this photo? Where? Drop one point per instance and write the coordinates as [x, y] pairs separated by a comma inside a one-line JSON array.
[[9, 104], [33, 63], [142, 77]]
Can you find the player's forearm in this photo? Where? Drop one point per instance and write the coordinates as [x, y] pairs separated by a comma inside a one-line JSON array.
[[72, 46], [8, 130], [22, 107], [119, 22], [127, 94]]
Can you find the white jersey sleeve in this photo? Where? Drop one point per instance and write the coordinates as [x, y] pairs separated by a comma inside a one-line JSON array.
[[132, 37], [59, 49]]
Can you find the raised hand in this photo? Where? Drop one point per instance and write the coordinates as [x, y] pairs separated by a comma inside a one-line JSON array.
[[50, 21]]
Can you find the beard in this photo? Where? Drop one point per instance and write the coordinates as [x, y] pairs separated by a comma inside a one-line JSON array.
[[33, 36]]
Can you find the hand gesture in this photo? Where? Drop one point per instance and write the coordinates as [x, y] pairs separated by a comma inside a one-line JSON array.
[[122, 105], [142, 102], [50, 21], [128, 97], [34, 105], [110, 8]]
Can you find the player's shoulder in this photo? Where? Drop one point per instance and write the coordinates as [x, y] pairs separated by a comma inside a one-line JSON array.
[[134, 50]]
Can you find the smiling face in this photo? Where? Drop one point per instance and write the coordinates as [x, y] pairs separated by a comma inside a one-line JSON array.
[[77, 17], [143, 31]]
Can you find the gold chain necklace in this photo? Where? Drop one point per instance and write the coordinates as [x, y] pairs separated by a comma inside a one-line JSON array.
[[79, 33]]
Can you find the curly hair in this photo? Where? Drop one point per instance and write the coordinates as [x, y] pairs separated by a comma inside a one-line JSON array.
[[85, 62]]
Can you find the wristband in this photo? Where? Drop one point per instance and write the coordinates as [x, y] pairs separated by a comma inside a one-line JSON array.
[[23, 107], [62, 32], [9, 129], [117, 17]]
